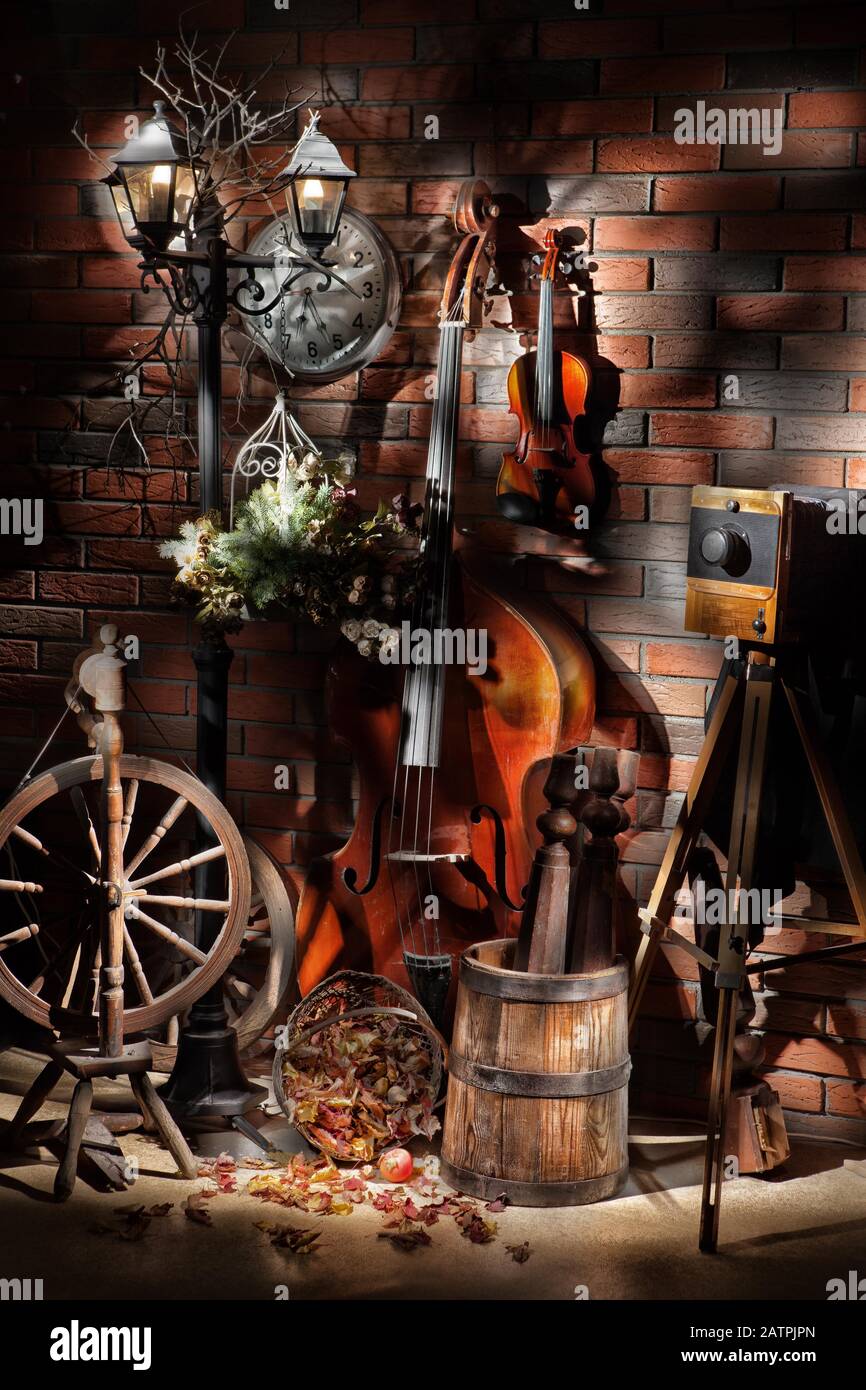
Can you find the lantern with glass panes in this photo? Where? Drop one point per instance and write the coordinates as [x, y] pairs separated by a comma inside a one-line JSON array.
[[165, 201]]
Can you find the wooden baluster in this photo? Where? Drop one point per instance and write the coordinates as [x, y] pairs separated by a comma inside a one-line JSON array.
[[591, 936], [541, 943]]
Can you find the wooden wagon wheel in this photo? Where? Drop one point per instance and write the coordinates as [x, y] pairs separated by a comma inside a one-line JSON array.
[[258, 980], [50, 833]]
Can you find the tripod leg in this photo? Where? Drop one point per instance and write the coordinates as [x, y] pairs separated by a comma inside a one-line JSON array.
[[733, 934], [720, 1091], [702, 789]]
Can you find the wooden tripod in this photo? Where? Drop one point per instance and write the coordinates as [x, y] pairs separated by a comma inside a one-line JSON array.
[[742, 714]]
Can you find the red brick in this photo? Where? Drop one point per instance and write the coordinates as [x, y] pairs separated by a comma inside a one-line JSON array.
[[412, 12], [17, 656], [17, 584], [621, 273], [650, 233], [484, 43], [476, 422], [784, 232], [796, 1092], [847, 1098], [712, 430], [406, 384], [35, 340], [534, 157], [368, 123], [60, 587], [844, 353], [66, 164], [143, 487], [40, 199], [405, 458], [673, 389], [593, 38], [148, 627], [826, 109], [683, 659], [591, 116], [356, 47], [127, 554], [800, 150], [779, 312], [435, 83], [815, 1055], [653, 154], [722, 194], [655, 466], [662, 74], [26, 270], [80, 234], [696, 32], [106, 519], [665, 312], [81, 306], [845, 273]]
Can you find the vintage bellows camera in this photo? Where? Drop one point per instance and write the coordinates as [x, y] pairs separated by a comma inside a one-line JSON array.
[[773, 566]]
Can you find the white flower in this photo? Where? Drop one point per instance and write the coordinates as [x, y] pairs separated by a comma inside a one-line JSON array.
[[360, 582], [184, 574], [365, 647], [371, 628], [355, 596], [351, 628], [390, 641]]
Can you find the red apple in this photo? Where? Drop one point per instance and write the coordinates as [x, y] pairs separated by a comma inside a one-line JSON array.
[[395, 1165]]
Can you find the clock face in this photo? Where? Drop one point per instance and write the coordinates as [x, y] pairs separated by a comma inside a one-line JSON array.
[[327, 326]]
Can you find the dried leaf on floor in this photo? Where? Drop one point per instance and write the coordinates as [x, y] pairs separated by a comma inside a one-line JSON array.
[[519, 1253]]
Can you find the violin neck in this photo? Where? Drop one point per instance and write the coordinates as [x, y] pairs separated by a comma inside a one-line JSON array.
[[544, 353]]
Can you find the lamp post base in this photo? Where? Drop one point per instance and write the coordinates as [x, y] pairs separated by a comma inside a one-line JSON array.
[[207, 1080]]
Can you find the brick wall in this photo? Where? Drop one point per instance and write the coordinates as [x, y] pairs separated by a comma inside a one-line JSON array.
[[707, 262]]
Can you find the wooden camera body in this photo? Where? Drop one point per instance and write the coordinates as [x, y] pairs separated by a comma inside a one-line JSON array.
[[766, 566]]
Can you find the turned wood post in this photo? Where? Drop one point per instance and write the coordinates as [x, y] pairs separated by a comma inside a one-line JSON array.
[[541, 942], [102, 676], [591, 932]]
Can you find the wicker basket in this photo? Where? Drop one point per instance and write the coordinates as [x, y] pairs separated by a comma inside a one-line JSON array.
[[351, 994]]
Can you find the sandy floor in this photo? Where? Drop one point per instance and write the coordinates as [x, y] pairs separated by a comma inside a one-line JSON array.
[[780, 1239]]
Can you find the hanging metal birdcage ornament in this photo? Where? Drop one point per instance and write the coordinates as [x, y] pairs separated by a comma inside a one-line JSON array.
[[273, 452]]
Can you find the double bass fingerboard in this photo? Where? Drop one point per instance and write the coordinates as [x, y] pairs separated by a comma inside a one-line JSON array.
[[424, 686]]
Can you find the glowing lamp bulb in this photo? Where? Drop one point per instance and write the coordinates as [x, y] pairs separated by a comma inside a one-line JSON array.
[[312, 193]]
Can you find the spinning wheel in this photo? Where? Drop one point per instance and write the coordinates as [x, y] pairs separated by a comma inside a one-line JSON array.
[[97, 853], [50, 941]]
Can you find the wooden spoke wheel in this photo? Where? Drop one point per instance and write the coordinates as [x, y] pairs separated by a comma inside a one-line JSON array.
[[259, 979], [52, 894]]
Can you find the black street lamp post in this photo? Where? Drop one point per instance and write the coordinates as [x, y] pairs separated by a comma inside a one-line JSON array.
[[159, 199]]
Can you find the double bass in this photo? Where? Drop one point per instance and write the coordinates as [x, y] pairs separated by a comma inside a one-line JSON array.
[[439, 854], [546, 476]]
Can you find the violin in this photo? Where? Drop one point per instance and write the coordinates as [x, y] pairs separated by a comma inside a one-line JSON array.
[[440, 854], [546, 477]]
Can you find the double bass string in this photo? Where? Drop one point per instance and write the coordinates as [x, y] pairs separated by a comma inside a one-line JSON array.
[[453, 339]]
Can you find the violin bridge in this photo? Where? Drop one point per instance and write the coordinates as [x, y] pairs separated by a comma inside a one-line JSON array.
[[411, 856]]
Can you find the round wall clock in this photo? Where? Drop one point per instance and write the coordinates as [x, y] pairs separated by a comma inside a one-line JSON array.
[[325, 327]]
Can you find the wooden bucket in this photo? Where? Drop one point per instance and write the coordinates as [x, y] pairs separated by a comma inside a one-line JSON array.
[[537, 1101]]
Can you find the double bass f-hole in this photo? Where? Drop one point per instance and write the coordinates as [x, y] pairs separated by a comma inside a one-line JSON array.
[[500, 856]]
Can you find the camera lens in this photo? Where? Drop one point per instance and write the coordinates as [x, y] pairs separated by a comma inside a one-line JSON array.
[[726, 547]]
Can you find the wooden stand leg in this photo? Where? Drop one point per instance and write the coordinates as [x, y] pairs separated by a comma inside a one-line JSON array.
[[672, 871], [720, 1091], [78, 1113], [145, 1093], [33, 1101]]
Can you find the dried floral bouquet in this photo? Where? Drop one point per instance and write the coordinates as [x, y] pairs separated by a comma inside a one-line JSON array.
[[301, 548]]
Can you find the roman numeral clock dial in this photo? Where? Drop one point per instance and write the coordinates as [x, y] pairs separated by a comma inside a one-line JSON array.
[[325, 327]]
